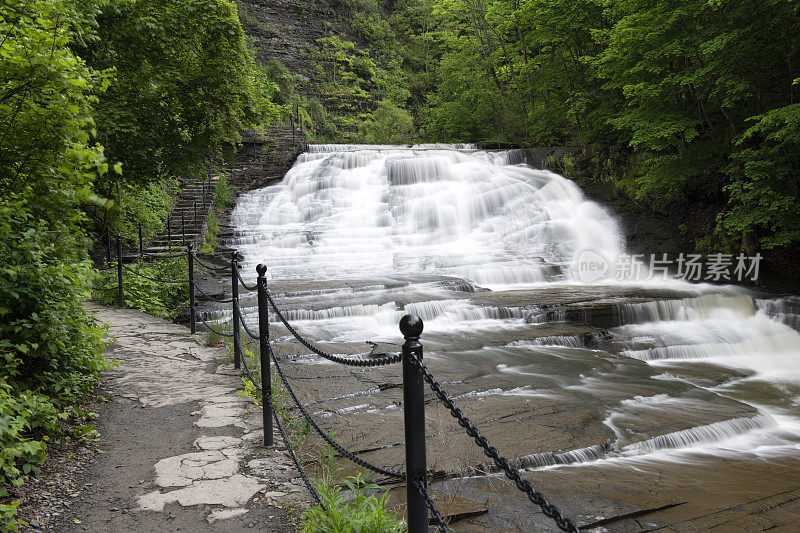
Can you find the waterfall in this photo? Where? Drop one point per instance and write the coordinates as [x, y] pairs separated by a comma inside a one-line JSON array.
[[484, 249], [358, 211]]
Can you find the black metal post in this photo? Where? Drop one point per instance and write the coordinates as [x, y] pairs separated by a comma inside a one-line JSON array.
[[169, 232], [414, 415], [141, 248], [204, 195], [237, 345], [263, 349], [194, 205], [183, 228], [120, 292], [192, 310]]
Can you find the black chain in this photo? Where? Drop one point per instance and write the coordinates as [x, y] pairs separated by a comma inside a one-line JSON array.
[[206, 324], [209, 267], [336, 446], [250, 375], [115, 288], [245, 285], [212, 298], [154, 255], [138, 296], [296, 461], [134, 272], [441, 525], [350, 361], [247, 330], [565, 524]]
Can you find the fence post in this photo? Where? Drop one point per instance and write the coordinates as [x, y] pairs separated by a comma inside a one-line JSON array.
[[263, 350], [414, 417], [141, 248], [237, 345], [190, 262], [183, 228], [204, 195], [194, 205], [120, 293], [169, 232]]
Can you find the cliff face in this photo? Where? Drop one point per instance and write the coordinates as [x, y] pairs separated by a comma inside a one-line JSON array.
[[289, 32], [285, 30]]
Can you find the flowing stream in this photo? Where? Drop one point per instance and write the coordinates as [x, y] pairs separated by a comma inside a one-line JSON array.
[[484, 249]]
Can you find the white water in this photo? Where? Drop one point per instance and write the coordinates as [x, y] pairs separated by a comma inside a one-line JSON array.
[[420, 229], [366, 213]]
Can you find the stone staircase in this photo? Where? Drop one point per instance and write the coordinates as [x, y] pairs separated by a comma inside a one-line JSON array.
[[196, 199], [258, 163], [261, 161]]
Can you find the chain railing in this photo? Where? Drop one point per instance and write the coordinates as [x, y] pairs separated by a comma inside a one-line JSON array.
[[415, 375], [565, 524]]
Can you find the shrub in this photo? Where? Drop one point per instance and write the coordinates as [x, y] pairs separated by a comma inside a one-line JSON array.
[[362, 512], [50, 349], [26, 420], [388, 124], [222, 193], [151, 297], [148, 205]]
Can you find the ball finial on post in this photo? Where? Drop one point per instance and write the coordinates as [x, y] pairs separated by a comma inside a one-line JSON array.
[[261, 269], [411, 326]]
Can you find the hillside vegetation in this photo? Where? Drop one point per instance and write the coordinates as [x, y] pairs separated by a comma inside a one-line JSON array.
[[688, 108]]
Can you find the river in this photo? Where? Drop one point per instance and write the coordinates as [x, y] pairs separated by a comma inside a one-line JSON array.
[[629, 380]]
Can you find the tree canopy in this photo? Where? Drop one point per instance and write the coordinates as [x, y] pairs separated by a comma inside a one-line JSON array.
[[699, 97], [96, 97]]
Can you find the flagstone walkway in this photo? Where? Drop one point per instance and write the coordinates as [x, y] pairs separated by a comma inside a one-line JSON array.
[[181, 450]]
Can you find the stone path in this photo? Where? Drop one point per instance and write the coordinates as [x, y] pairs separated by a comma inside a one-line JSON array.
[[181, 451]]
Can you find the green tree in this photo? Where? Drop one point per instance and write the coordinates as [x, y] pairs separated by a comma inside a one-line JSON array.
[[765, 186], [48, 161], [185, 84], [388, 124]]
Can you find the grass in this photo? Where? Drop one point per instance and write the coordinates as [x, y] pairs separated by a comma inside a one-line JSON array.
[[222, 193], [360, 510], [211, 234], [222, 199]]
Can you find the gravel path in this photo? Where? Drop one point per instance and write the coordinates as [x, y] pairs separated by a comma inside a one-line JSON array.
[[179, 450]]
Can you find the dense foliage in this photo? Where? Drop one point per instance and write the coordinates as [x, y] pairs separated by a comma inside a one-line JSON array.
[[50, 349], [685, 102], [185, 87], [700, 94], [145, 287], [98, 99]]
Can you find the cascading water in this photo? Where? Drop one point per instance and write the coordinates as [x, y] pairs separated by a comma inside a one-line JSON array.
[[484, 248], [362, 213]]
